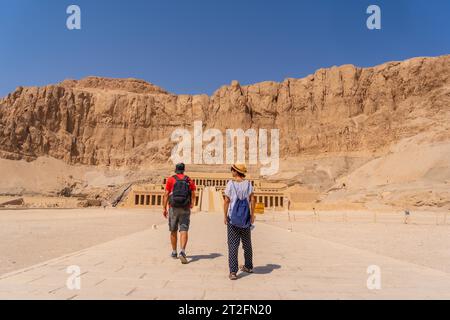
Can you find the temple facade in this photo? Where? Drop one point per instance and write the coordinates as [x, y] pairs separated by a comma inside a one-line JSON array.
[[209, 195]]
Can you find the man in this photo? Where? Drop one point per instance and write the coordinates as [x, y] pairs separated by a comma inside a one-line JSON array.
[[180, 195], [239, 216]]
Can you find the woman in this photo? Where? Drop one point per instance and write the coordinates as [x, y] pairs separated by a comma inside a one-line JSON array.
[[239, 216]]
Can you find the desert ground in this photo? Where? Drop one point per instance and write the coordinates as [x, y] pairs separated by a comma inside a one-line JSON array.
[[124, 254], [34, 236]]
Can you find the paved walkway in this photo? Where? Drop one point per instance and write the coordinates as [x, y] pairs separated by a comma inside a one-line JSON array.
[[288, 265]]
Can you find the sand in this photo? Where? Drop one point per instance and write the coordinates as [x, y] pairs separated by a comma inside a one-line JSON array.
[[32, 236], [321, 260], [424, 241]]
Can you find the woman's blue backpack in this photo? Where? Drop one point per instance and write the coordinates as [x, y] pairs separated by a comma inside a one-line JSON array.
[[240, 215]]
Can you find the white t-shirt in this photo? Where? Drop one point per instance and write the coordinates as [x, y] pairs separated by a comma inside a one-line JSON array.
[[240, 190]]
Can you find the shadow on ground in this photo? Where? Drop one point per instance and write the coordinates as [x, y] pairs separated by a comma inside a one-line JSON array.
[[204, 257], [269, 268]]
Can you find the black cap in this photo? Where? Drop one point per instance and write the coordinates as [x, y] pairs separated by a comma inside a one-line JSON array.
[[180, 168]]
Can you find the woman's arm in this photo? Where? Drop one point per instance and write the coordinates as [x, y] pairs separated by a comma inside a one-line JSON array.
[[252, 207], [226, 205]]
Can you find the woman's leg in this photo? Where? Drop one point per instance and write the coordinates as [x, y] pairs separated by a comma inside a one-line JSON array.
[[234, 240], [246, 235]]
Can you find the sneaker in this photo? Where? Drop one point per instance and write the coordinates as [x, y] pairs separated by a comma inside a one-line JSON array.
[[183, 258], [174, 255]]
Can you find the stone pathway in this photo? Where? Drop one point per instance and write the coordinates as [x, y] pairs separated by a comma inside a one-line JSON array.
[[288, 265]]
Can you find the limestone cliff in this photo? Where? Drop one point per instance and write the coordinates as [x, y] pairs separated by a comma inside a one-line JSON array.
[[124, 122]]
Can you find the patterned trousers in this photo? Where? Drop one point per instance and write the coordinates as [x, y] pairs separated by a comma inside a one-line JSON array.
[[235, 235]]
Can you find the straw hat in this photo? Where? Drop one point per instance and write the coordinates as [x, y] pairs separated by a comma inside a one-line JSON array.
[[241, 168]]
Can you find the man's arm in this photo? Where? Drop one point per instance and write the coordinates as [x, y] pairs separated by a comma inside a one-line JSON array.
[[252, 207], [193, 199], [165, 203], [226, 205]]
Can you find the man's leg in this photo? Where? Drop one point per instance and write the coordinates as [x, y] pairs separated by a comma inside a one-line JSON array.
[[183, 240], [173, 228], [247, 246], [184, 216], [183, 243], [174, 240]]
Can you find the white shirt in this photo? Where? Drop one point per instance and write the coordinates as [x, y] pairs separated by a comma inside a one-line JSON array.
[[240, 190]]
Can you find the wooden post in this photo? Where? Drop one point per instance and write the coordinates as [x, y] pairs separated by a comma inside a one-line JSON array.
[[407, 214]]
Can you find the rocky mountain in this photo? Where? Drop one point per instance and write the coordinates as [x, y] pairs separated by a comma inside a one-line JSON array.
[[126, 122]]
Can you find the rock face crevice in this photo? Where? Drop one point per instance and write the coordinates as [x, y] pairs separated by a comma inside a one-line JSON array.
[[126, 122]]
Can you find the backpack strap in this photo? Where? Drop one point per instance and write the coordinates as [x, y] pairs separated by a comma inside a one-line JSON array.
[[186, 178], [234, 187], [248, 190]]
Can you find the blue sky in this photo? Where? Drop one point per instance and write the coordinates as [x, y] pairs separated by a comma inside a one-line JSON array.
[[197, 46]]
